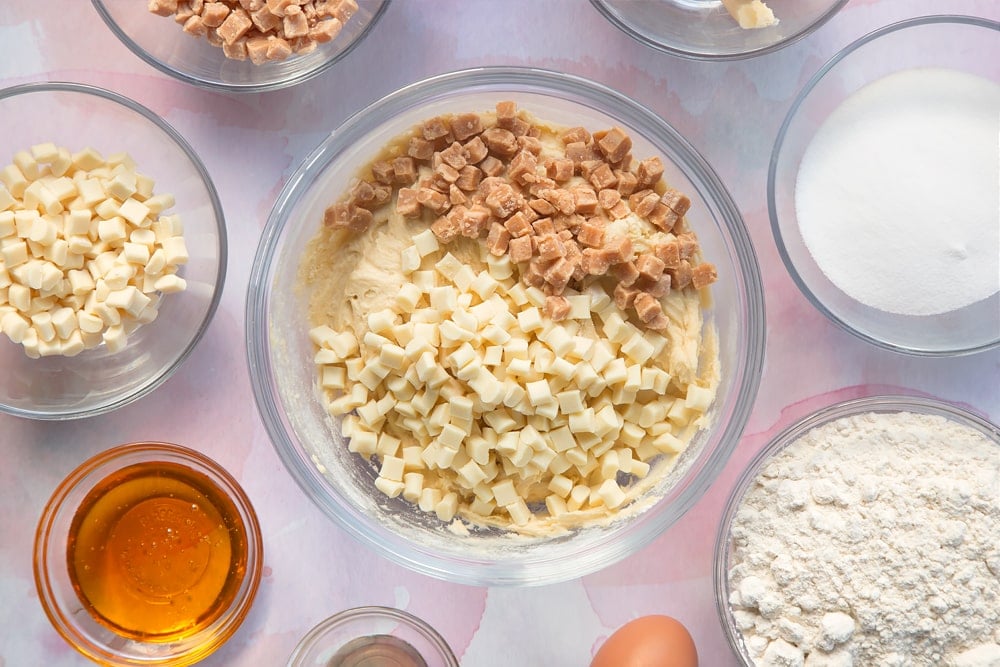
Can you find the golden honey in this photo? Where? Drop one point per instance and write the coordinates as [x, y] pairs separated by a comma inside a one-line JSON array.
[[157, 552]]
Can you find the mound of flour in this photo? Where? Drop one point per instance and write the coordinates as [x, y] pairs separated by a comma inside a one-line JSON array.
[[873, 541]]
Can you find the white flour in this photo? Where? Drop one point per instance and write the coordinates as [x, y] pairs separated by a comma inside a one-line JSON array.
[[897, 193], [872, 541]]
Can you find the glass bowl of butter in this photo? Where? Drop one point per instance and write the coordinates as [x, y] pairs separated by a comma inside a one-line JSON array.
[[525, 379], [718, 30], [112, 251]]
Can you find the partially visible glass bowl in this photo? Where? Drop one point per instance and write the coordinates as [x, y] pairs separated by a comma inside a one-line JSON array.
[[160, 42], [308, 440], [97, 381], [965, 44], [372, 636], [704, 30]]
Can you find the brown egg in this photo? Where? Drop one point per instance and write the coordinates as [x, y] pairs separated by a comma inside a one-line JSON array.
[[648, 641]]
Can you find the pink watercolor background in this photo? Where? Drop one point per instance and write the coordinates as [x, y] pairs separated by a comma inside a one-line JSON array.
[[251, 143]]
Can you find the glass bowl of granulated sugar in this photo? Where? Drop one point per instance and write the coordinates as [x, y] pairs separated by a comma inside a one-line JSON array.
[[868, 533], [884, 182]]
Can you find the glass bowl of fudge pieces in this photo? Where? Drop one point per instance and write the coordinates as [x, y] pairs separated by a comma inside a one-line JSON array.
[[241, 45], [718, 30], [505, 326]]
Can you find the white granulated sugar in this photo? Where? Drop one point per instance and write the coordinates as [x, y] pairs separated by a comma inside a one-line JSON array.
[[897, 194], [872, 541]]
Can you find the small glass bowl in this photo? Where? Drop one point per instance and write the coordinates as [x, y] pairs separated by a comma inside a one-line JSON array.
[[372, 636], [64, 607], [97, 381], [961, 43], [160, 42], [309, 440], [879, 404], [704, 30]]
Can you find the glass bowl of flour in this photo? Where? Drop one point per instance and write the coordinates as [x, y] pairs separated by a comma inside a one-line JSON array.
[[868, 533], [883, 187]]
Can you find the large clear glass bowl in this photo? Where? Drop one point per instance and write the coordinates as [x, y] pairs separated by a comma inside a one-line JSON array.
[[160, 42], [961, 43], [309, 441], [97, 381], [704, 30]]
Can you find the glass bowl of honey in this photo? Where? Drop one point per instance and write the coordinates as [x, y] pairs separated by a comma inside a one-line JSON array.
[[148, 553]]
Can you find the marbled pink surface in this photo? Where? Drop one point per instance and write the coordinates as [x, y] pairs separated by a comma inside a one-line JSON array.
[[250, 143]]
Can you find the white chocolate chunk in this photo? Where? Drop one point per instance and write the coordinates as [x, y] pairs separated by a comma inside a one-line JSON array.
[[44, 153], [392, 468], [115, 338], [170, 284], [28, 165], [73, 345], [425, 243], [413, 484], [429, 498], [90, 192], [408, 297], [175, 250], [14, 180], [62, 188], [87, 159], [390, 488], [504, 493], [111, 229], [37, 195], [14, 326], [7, 225], [410, 260], [519, 512], [7, 200], [698, 398], [135, 253]]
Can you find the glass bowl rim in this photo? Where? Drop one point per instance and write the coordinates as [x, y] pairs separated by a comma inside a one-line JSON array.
[[220, 228], [104, 464], [375, 611], [772, 207], [880, 403], [602, 7], [210, 84], [647, 526]]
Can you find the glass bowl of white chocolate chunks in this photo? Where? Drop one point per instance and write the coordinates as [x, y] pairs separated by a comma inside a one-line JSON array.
[[505, 326], [241, 46], [112, 251]]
